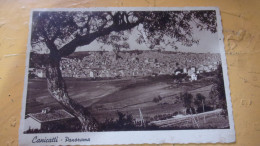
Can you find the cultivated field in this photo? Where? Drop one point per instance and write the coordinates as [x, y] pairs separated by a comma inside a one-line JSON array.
[[211, 119], [103, 98]]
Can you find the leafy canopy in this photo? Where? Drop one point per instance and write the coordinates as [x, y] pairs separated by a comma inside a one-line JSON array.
[[63, 31]]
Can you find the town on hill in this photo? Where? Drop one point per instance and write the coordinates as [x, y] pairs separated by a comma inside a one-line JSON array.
[[105, 64]]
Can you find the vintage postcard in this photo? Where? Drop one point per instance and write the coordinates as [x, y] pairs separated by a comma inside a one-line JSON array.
[[99, 76]]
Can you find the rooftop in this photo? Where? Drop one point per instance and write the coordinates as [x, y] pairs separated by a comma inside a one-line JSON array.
[[51, 116]]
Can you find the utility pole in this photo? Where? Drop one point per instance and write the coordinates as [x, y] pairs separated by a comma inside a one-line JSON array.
[[141, 117], [203, 111]]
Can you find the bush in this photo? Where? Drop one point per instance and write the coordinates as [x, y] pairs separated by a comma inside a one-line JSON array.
[[123, 122], [157, 99]]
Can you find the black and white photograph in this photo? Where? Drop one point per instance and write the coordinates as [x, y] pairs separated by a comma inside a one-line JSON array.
[[117, 70]]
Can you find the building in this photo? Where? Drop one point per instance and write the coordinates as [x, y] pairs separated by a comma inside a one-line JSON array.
[[185, 70], [47, 119], [91, 74], [207, 69], [178, 71], [40, 73], [31, 70], [192, 74], [200, 69], [191, 71], [193, 77]]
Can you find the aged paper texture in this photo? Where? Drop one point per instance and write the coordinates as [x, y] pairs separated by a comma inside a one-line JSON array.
[[100, 76]]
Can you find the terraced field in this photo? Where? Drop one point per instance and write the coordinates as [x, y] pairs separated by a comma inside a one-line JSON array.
[[103, 98]]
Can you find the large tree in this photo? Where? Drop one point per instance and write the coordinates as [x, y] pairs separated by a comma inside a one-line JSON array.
[[63, 31], [217, 93], [188, 102]]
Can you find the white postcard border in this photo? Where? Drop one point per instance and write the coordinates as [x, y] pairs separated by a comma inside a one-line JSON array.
[[134, 137]]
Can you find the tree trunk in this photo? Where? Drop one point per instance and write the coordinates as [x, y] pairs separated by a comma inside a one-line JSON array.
[[203, 111], [57, 89]]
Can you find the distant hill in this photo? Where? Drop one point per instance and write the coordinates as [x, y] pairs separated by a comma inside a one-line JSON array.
[[39, 60]]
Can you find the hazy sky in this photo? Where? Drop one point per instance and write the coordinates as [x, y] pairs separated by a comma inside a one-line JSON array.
[[208, 42]]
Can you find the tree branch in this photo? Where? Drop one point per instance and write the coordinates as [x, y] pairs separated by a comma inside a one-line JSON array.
[[70, 47]]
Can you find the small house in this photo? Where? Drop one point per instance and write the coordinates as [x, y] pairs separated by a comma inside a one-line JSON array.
[[91, 74], [193, 77], [185, 70], [47, 119], [191, 71], [178, 71], [40, 73]]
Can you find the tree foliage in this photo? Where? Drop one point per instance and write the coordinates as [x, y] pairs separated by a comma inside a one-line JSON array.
[[123, 122], [217, 93], [65, 31], [199, 99], [187, 100]]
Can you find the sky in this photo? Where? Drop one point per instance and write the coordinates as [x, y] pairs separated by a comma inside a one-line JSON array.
[[208, 43]]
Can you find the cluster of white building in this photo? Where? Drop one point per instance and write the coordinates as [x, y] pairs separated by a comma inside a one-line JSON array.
[[98, 65], [193, 72]]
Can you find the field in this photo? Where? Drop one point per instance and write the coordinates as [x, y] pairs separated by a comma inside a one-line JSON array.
[[206, 120], [103, 98]]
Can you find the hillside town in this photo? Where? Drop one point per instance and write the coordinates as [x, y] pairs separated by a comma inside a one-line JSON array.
[[182, 67], [134, 64]]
